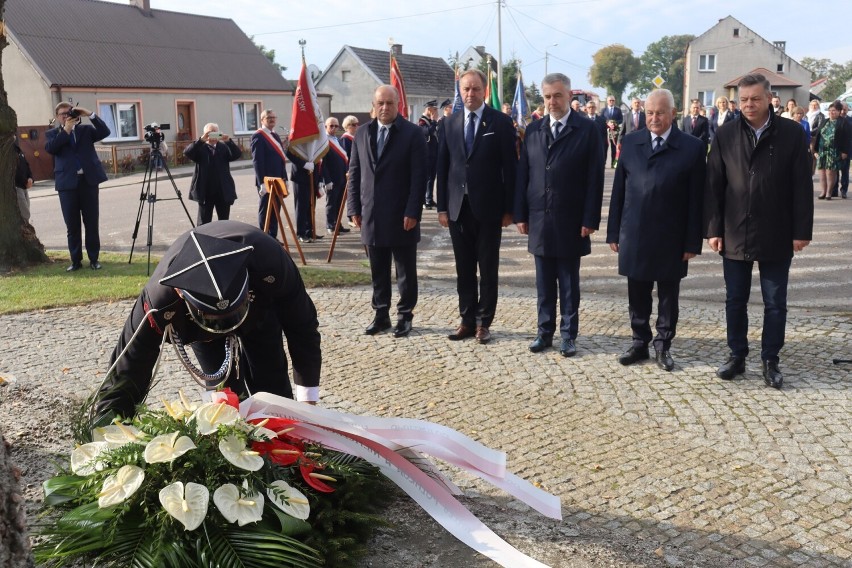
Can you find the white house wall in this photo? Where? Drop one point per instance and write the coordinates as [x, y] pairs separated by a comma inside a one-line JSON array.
[[28, 93]]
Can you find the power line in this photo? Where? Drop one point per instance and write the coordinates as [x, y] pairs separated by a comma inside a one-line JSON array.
[[348, 24], [556, 29]]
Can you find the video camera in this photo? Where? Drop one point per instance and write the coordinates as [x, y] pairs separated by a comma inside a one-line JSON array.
[[153, 134]]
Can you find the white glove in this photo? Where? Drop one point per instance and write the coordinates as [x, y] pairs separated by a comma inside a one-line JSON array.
[[309, 166], [329, 186]]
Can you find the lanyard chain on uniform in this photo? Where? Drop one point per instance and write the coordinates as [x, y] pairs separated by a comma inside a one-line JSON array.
[[209, 381]]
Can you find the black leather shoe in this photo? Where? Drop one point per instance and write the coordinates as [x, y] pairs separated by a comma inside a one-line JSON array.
[[771, 375], [378, 324], [634, 355], [95, 265], [402, 328], [74, 266], [731, 368], [305, 240], [567, 349], [664, 360], [540, 343]]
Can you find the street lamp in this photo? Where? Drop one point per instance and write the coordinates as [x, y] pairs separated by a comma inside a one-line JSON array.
[[546, 56]]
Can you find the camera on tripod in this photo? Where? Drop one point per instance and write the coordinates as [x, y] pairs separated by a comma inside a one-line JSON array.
[[153, 134]]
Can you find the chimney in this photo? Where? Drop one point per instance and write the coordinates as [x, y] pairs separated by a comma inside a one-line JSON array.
[[396, 48], [782, 45], [143, 5]]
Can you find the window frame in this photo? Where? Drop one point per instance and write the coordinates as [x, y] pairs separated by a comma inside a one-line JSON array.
[[706, 68], [114, 120], [235, 103]]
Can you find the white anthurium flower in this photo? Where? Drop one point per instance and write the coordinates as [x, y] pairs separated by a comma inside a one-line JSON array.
[[235, 451], [209, 416], [118, 434], [86, 459], [188, 504], [257, 431], [167, 447], [289, 499], [236, 508], [121, 485]]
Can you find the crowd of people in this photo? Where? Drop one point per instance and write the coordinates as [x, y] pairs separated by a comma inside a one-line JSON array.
[[739, 176]]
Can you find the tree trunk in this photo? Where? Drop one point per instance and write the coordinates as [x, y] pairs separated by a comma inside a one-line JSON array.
[[19, 244], [14, 545]]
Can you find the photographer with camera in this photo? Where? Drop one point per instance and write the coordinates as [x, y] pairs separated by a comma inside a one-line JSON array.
[[78, 173], [212, 185]]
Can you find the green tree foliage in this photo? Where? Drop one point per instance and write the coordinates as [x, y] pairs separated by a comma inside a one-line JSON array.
[[510, 76], [270, 55], [613, 67], [534, 95], [836, 74], [666, 58]]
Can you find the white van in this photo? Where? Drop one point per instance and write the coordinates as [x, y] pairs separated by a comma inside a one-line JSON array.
[[844, 98]]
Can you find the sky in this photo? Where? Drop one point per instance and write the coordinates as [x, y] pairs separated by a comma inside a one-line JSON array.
[[570, 32]]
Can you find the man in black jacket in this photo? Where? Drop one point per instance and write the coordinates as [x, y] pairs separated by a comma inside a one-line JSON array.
[[212, 185], [758, 207], [229, 291]]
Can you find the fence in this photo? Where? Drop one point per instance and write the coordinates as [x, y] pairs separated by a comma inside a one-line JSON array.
[[128, 159]]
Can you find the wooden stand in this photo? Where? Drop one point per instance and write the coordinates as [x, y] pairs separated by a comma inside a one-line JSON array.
[[277, 188]]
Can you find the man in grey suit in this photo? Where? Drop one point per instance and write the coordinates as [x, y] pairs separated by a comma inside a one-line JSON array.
[[558, 203], [385, 200], [655, 222], [476, 187], [633, 120]]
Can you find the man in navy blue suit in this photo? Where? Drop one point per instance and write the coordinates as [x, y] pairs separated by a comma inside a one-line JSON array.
[[558, 204], [695, 124], [476, 189], [613, 112], [655, 222], [385, 200], [267, 157], [78, 172]]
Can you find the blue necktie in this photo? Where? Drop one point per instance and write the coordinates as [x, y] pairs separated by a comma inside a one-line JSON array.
[[658, 143], [380, 145], [469, 132]]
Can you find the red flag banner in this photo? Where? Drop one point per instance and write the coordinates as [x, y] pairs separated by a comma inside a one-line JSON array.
[[308, 138], [399, 85]]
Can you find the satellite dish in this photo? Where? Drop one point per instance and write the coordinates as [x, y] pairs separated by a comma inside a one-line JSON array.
[[314, 71]]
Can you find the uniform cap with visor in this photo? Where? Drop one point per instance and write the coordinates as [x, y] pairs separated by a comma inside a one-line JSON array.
[[211, 276]]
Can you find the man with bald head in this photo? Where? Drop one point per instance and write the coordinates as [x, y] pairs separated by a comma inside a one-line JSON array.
[[655, 222], [385, 200]]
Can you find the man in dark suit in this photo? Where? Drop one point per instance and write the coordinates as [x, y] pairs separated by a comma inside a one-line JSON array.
[[655, 222], [558, 204], [304, 190], [612, 112], [476, 186], [385, 200], [267, 157], [695, 124], [600, 123], [635, 119], [333, 170], [212, 184], [78, 172], [428, 123]]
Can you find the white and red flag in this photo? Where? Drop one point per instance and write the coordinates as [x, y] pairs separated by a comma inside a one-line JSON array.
[[399, 85], [308, 138]]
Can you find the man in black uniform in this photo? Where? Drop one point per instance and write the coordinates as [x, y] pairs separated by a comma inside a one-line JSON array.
[[429, 125], [228, 290]]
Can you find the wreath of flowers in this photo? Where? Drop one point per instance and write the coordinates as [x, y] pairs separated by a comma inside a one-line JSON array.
[[140, 493]]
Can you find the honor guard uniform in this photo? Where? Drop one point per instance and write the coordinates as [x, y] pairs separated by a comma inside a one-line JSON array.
[[228, 290], [429, 126]]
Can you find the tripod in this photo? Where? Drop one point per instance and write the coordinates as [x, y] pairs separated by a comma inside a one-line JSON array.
[[149, 197]]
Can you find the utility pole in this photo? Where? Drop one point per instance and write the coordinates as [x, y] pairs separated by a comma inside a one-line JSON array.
[[546, 56], [499, 52]]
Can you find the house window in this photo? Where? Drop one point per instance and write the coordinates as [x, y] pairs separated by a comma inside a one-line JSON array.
[[706, 62], [344, 75], [707, 98], [246, 116], [122, 120], [779, 68], [736, 32]]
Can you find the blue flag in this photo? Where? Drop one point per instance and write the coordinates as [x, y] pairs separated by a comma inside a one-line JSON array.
[[520, 106]]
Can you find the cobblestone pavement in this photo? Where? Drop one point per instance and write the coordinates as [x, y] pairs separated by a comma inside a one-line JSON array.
[[734, 472], [731, 470]]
